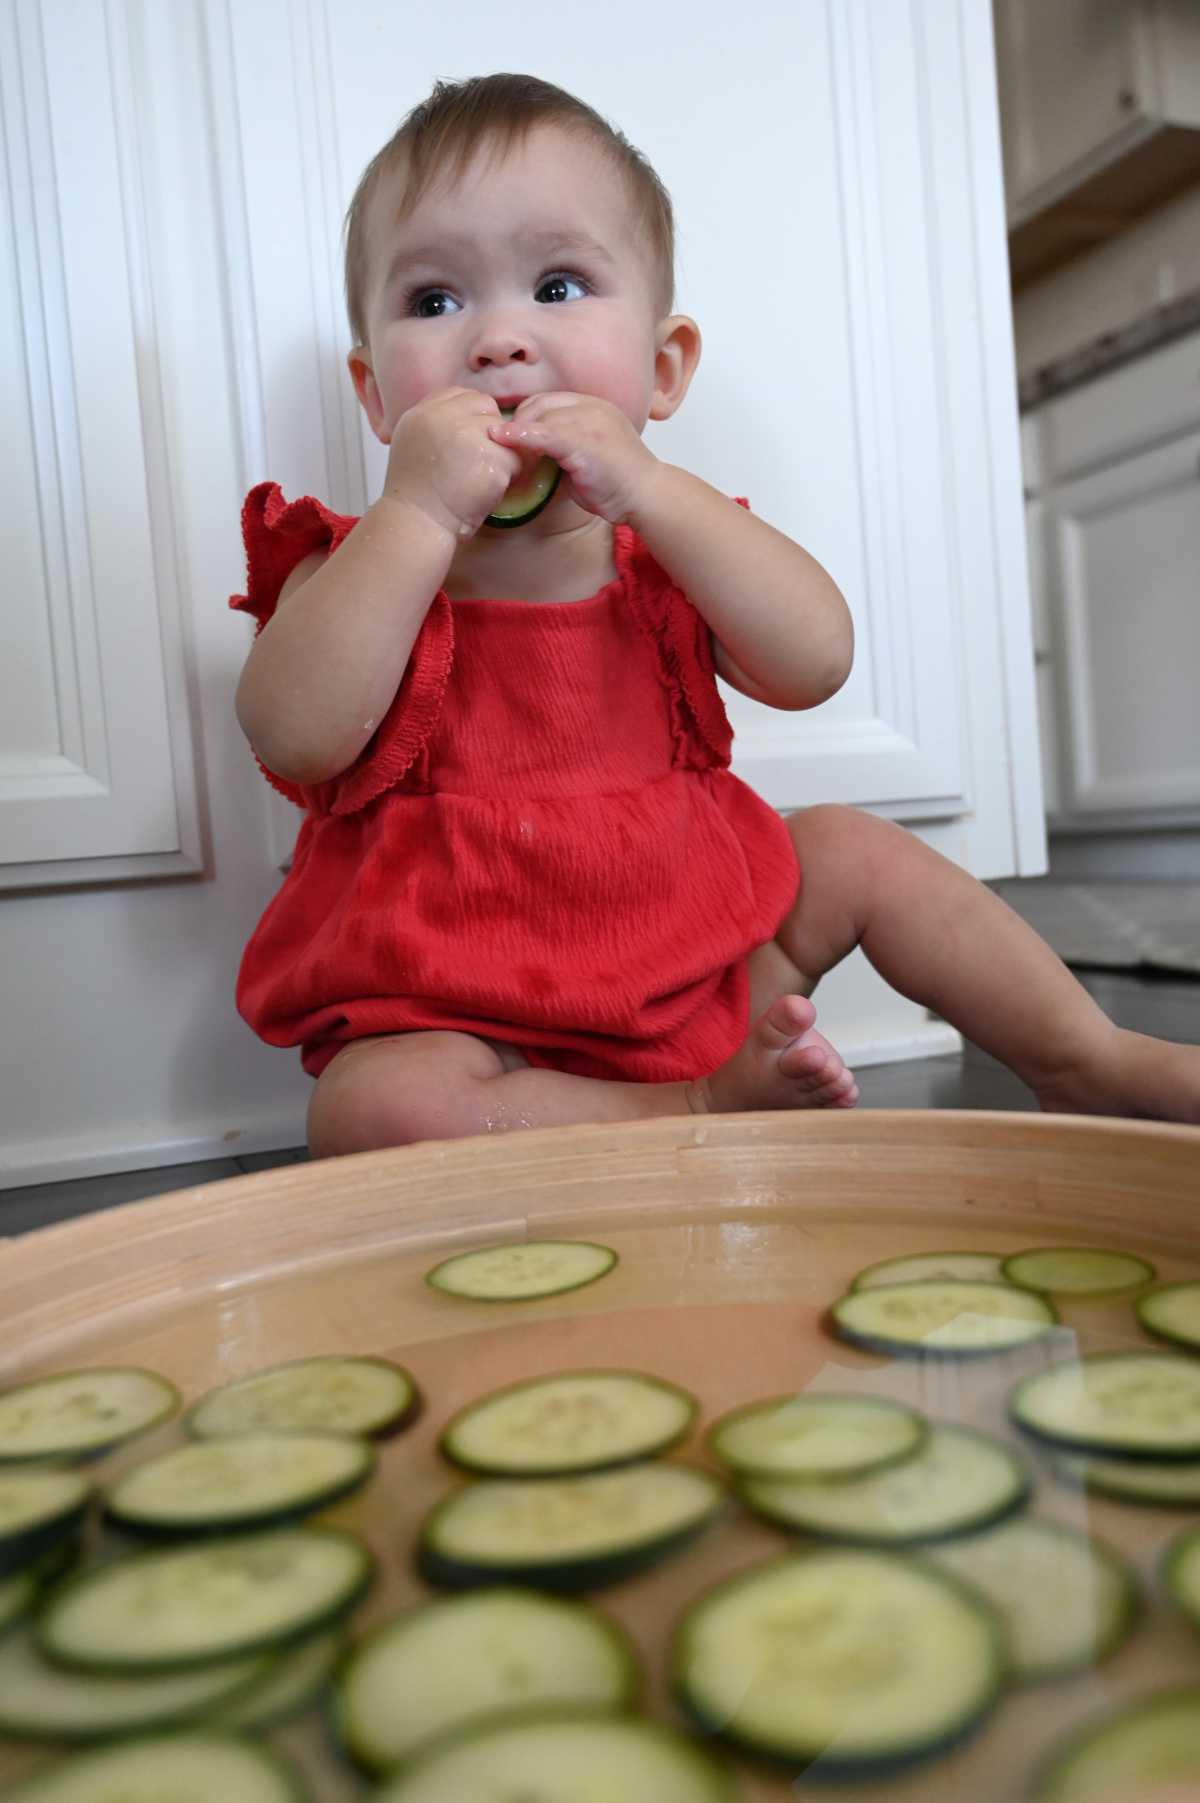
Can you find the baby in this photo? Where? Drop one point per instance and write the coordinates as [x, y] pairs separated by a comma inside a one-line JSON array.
[[527, 890]]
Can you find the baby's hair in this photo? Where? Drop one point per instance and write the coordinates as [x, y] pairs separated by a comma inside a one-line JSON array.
[[441, 135]]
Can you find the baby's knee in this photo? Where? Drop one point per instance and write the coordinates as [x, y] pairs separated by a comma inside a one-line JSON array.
[[391, 1092]]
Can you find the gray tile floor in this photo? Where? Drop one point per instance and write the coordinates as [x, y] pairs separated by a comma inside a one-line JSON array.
[[1166, 1006]]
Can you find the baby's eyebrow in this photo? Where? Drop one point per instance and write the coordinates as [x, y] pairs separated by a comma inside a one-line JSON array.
[[543, 241]]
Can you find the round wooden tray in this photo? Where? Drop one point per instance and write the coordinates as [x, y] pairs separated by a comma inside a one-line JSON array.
[[735, 1233]]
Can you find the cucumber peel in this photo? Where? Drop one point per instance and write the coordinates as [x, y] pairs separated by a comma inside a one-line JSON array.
[[528, 493]]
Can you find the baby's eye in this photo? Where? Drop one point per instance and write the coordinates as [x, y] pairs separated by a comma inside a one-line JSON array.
[[559, 288], [432, 304]]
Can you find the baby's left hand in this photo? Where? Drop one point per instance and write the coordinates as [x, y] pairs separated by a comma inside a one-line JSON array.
[[593, 444]]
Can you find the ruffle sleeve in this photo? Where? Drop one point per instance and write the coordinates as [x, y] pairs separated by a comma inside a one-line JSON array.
[[684, 641], [280, 534]]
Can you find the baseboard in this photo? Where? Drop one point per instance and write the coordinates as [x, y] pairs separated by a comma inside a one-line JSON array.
[[936, 1040], [98, 1155]]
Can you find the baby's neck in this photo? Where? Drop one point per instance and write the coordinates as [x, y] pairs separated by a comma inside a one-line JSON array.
[[559, 562]]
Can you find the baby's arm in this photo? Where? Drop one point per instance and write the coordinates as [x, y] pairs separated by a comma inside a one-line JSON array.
[[327, 665], [782, 629]]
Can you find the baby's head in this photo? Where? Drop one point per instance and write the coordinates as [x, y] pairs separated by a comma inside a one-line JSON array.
[[493, 192], [439, 139]]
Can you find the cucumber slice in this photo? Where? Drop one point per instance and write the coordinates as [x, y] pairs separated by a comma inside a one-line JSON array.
[[817, 1436], [166, 1768], [960, 1481], [37, 1510], [519, 1273], [1181, 1574], [1149, 1744], [293, 1680], [1154, 1482], [40, 1701], [937, 1267], [250, 1481], [573, 1421], [852, 1660], [566, 1534], [328, 1394], [563, 1757], [189, 1605], [952, 1318], [1076, 1270], [1141, 1405], [441, 1667], [1065, 1600], [525, 497], [1172, 1312], [76, 1413]]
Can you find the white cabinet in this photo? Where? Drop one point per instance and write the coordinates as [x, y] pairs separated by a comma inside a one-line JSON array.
[[1114, 529], [173, 331], [1100, 106], [97, 776]]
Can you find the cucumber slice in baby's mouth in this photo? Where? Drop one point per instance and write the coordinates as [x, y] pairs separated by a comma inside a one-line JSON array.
[[528, 493]]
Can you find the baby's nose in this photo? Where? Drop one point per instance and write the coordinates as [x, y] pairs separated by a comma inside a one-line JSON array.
[[500, 342]]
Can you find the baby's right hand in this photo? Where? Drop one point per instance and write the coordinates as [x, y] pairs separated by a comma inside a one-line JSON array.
[[443, 462]]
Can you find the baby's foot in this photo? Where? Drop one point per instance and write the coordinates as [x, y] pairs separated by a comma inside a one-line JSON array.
[[1127, 1073], [782, 1063]]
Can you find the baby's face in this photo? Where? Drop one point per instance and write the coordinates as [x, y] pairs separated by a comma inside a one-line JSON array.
[[528, 275]]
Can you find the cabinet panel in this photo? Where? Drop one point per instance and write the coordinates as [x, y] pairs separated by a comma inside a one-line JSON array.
[[1123, 547], [96, 776], [856, 443], [1070, 74]]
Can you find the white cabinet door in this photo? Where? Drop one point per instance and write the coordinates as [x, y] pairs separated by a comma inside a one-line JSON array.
[[96, 771], [1121, 551], [827, 162]]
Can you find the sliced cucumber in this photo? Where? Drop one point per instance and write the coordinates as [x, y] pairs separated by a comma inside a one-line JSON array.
[[952, 1318], [166, 1768], [1076, 1270], [563, 1757], [1181, 1574], [573, 1421], [439, 1668], [41, 1701], [166, 1611], [817, 1436], [328, 1394], [853, 1660], [1172, 1312], [76, 1413], [957, 1483], [569, 1533], [1065, 1600], [1140, 1405], [37, 1510], [1156, 1483], [249, 1481], [936, 1267], [525, 497], [293, 1680], [1149, 1744], [521, 1272]]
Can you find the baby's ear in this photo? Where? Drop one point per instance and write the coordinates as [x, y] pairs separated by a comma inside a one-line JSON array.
[[367, 389], [677, 352]]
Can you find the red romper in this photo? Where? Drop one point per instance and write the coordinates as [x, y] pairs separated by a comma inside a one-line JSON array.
[[541, 843]]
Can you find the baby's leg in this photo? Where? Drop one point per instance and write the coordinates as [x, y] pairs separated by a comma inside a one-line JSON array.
[[394, 1090], [405, 1087], [946, 941]]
